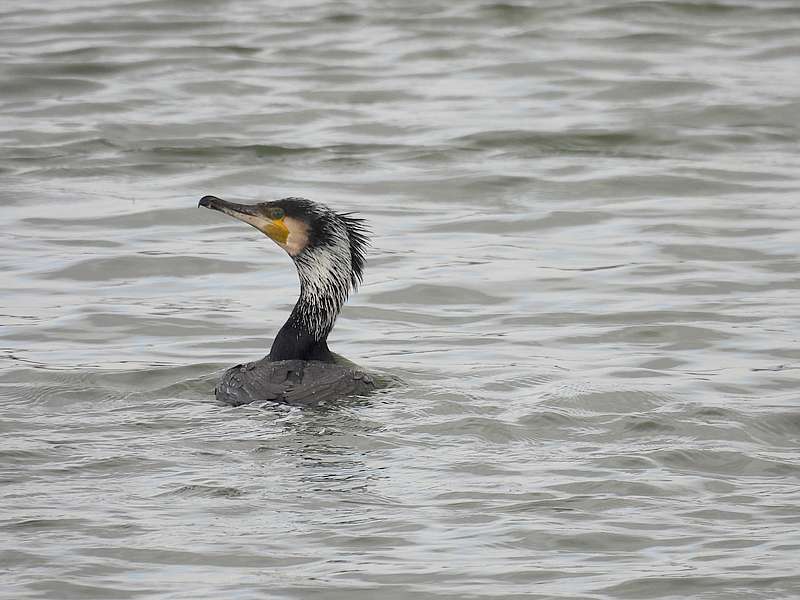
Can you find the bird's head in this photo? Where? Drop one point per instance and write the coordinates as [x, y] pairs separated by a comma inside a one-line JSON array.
[[310, 232]]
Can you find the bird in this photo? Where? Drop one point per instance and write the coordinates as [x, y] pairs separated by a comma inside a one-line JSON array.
[[328, 249]]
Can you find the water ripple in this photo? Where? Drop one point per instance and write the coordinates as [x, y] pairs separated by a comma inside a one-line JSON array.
[[582, 289]]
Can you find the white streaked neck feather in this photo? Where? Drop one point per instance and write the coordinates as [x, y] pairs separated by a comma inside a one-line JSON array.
[[324, 274]]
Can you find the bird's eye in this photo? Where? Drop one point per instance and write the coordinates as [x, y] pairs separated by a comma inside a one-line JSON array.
[[276, 213]]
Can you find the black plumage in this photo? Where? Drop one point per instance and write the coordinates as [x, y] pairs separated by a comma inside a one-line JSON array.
[[296, 382], [329, 252]]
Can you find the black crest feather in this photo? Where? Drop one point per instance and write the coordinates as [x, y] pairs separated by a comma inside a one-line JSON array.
[[358, 232]]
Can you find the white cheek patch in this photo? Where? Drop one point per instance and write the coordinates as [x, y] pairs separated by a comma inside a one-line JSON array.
[[297, 241]]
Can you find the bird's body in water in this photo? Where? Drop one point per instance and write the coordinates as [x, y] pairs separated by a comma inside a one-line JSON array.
[[328, 250]]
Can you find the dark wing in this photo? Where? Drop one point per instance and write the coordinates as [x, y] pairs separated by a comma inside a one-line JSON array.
[[296, 382]]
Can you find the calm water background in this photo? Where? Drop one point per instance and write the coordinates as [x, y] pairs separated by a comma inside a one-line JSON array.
[[585, 272]]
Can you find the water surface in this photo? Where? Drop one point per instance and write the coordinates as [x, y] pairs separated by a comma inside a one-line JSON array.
[[584, 271]]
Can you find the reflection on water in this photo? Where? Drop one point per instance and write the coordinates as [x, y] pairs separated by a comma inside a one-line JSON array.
[[583, 285]]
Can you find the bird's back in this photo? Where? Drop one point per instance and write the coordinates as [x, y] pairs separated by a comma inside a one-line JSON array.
[[295, 382]]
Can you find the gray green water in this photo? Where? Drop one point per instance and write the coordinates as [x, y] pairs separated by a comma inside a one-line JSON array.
[[585, 272]]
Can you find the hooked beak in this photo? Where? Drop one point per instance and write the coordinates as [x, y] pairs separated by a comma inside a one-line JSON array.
[[250, 214]]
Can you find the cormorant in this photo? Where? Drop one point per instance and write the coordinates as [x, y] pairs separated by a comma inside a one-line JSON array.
[[328, 249]]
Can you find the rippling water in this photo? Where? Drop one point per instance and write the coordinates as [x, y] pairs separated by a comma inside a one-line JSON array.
[[585, 273]]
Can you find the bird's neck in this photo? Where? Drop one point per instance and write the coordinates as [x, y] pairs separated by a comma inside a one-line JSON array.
[[324, 285], [295, 342]]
